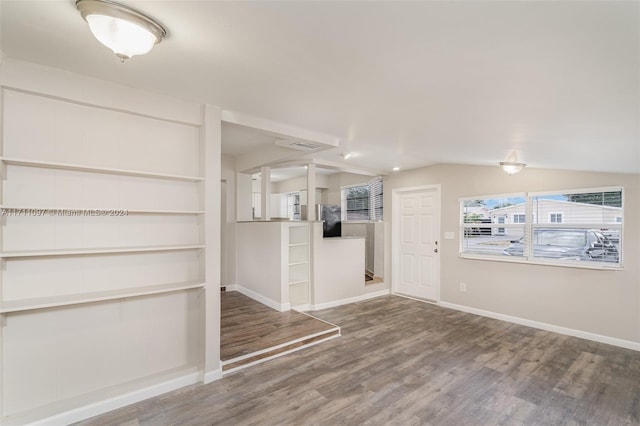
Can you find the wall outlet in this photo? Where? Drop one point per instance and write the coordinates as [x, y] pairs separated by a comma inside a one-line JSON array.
[[463, 287]]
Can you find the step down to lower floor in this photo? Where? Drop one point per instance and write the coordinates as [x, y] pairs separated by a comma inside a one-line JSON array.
[[263, 355]]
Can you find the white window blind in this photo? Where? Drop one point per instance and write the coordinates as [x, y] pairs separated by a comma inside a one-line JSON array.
[[363, 202], [375, 199]]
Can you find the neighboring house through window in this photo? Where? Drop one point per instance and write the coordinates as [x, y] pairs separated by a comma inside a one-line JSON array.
[[519, 218], [566, 227], [555, 217]]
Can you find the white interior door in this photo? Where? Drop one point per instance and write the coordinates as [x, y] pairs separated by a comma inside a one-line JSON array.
[[417, 227]]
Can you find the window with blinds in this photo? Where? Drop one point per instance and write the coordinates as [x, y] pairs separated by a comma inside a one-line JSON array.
[[572, 227], [375, 201], [363, 202]]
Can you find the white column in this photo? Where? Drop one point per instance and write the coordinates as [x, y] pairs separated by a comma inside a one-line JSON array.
[[265, 193], [311, 192], [211, 160]]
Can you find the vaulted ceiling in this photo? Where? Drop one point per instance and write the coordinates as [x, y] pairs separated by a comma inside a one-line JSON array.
[[403, 84]]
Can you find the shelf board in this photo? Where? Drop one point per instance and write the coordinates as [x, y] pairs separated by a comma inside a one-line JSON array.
[[298, 244], [72, 209], [91, 251], [105, 170], [75, 299], [302, 262]]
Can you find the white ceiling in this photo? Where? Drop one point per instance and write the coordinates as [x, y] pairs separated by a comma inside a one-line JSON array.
[[400, 83]]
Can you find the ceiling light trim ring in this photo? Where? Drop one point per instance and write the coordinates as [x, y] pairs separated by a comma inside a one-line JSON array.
[[120, 11]]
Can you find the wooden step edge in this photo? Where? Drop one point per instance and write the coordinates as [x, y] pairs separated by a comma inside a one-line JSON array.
[[249, 360]]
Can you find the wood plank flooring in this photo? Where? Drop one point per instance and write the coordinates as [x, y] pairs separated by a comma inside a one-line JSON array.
[[251, 331], [404, 362]]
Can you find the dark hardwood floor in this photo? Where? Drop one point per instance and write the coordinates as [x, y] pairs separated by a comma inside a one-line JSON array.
[[404, 362], [251, 332], [247, 326]]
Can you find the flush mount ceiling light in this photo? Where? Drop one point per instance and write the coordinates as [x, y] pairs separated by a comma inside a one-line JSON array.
[[122, 29], [511, 167]]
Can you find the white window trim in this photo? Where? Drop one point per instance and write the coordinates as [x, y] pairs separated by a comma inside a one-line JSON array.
[[530, 225]]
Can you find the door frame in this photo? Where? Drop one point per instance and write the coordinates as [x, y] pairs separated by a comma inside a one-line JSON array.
[[395, 232]]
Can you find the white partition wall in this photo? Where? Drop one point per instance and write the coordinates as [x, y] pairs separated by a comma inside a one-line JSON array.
[[275, 263], [109, 241]]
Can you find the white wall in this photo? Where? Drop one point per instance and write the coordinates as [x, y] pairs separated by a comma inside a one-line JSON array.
[[260, 260], [228, 258], [364, 230], [338, 271], [298, 184], [601, 302], [244, 196], [338, 180]]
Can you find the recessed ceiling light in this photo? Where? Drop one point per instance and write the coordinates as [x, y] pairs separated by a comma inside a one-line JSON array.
[[396, 169], [346, 155]]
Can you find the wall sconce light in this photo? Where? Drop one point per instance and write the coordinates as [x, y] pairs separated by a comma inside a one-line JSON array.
[[511, 167], [122, 29]]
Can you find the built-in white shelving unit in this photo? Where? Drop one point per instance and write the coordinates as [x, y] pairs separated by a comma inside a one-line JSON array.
[[105, 170], [298, 264], [74, 299], [103, 250], [95, 211], [91, 251]]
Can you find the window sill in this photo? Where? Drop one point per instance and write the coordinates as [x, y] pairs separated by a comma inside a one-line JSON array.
[[568, 264]]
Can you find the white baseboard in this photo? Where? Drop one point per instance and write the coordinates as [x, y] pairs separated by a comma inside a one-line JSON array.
[[628, 344], [282, 307], [119, 401], [302, 308], [360, 298], [212, 376]]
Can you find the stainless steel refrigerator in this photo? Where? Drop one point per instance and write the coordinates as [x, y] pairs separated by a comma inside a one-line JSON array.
[[331, 218]]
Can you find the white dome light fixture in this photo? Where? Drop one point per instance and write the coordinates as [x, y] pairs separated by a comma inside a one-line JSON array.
[[511, 167], [122, 29]]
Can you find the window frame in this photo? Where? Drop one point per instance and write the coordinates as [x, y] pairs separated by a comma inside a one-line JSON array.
[[522, 216], [554, 216], [293, 208], [530, 225], [371, 204]]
